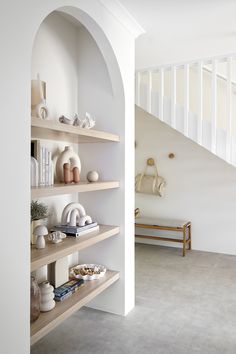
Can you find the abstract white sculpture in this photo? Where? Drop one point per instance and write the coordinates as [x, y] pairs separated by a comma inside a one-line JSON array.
[[67, 156], [56, 236], [88, 122], [74, 214], [41, 108]]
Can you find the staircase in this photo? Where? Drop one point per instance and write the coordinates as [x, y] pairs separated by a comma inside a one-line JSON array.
[[196, 98]]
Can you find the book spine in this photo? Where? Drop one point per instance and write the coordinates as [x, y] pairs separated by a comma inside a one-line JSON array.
[[46, 167], [41, 167], [50, 167], [61, 298]]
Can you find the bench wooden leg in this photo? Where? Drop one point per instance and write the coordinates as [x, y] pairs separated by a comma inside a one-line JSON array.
[[184, 241], [190, 237]]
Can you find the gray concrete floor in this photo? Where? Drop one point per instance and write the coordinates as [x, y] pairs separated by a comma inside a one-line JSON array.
[[183, 306]]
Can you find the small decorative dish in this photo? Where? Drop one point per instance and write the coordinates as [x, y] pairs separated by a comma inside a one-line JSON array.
[[88, 271]]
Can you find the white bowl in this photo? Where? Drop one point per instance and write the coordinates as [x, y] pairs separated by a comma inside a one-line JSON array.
[[88, 277]]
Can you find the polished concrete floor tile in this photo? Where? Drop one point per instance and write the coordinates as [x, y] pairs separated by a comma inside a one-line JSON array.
[[183, 306]]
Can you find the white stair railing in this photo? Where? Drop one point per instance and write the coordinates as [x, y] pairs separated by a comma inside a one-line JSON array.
[[152, 96]]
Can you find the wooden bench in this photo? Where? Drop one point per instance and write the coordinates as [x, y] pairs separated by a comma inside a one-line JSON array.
[[168, 225]]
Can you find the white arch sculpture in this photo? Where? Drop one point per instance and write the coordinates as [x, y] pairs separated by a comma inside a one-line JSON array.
[[74, 214]]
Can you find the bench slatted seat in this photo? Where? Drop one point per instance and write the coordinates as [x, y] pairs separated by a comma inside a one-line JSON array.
[[168, 225]]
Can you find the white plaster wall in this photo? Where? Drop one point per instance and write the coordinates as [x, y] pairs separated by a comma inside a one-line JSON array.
[[200, 186], [54, 57], [19, 24], [95, 95]]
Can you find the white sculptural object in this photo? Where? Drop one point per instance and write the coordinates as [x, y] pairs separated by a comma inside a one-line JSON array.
[[41, 108], [47, 302], [92, 176], [40, 231], [74, 214], [67, 156], [88, 122], [56, 236]]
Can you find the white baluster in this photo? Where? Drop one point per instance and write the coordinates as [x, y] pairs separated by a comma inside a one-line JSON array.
[[229, 111], [186, 99], [173, 96], [149, 91], [214, 106], [161, 94], [200, 103], [138, 88]]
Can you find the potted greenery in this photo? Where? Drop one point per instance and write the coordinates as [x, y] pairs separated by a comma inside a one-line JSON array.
[[39, 214]]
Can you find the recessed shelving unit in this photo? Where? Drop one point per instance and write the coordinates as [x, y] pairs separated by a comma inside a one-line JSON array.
[[89, 290], [53, 130], [102, 158], [53, 252], [59, 189]]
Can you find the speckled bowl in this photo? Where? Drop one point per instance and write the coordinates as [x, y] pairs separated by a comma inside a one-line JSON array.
[[88, 277]]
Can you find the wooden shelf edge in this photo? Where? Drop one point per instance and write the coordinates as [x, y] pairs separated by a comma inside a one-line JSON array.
[[55, 130], [53, 252], [59, 189], [49, 320]]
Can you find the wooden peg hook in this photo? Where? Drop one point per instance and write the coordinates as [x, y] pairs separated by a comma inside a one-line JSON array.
[[150, 161]]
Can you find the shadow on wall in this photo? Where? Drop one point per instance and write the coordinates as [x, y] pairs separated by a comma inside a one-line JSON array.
[[200, 186]]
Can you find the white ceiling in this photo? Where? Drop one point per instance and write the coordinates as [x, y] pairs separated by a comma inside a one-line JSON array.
[[179, 30]]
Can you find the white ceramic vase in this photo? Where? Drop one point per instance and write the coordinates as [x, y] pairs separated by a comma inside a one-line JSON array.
[[47, 296], [67, 156]]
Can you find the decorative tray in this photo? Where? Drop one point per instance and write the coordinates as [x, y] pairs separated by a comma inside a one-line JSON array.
[[88, 271]]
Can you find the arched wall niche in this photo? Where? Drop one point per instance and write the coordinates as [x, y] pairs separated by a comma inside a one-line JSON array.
[[104, 46], [112, 166]]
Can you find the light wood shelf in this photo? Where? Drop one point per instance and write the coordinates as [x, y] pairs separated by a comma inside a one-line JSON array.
[[49, 320], [53, 130], [53, 252], [58, 189]]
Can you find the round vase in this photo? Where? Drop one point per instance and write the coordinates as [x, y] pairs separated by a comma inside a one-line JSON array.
[[34, 300], [40, 242], [67, 156], [47, 295]]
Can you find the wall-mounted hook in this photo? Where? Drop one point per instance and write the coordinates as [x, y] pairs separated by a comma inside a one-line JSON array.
[[150, 161], [171, 155]]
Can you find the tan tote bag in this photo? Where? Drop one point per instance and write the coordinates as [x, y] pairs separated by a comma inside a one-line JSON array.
[[150, 184]]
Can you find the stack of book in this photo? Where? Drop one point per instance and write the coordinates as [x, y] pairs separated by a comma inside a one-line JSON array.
[[66, 290], [77, 231], [46, 173]]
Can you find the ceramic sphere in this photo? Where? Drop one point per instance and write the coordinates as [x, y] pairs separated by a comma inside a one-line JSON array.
[[92, 176]]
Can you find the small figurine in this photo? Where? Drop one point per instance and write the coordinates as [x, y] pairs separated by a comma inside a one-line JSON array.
[[87, 123], [63, 119], [56, 236]]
